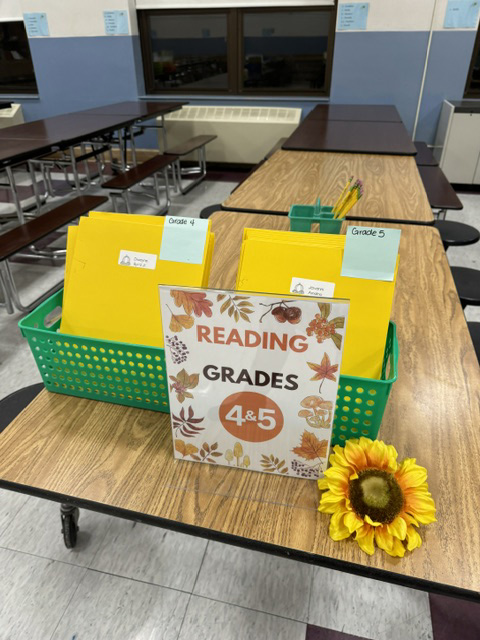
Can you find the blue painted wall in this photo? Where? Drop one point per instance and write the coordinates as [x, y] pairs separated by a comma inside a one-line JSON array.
[[375, 67], [369, 67]]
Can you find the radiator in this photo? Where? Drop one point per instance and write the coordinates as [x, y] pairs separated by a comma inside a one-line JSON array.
[[244, 134]]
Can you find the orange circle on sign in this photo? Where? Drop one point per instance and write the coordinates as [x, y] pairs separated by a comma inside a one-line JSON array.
[[251, 417]]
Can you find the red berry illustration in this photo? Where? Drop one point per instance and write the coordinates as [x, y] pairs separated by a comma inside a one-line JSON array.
[[293, 315], [279, 314]]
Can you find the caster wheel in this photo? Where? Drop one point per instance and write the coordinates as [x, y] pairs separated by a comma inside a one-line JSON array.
[[70, 528]]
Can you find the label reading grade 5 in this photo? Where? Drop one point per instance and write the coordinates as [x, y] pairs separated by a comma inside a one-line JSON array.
[[184, 239]]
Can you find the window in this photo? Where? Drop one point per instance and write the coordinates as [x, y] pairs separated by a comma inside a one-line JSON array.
[[238, 51], [16, 67], [472, 88]]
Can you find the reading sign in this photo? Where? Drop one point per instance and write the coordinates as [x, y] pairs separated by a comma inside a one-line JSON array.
[[252, 378]]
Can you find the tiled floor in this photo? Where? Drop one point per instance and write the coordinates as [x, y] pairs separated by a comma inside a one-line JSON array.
[[133, 582]]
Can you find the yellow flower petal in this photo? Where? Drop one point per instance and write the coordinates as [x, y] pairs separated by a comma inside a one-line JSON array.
[[410, 474], [398, 549], [377, 456], [398, 528], [352, 521], [409, 519], [322, 484], [413, 539], [370, 521], [337, 529], [384, 539], [365, 538], [337, 480], [421, 507], [329, 502], [355, 455]]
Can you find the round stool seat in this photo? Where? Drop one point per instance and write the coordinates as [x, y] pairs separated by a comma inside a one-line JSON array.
[[455, 234], [207, 212], [467, 282], [11, 406], [474, 328]]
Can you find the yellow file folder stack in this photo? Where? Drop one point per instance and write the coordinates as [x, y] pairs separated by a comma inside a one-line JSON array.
[[105, 299], [270, 259]]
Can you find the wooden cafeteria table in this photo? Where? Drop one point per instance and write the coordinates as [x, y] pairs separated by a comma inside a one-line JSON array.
[[119, 460], [359, 112], [351, 136], [393, 189]]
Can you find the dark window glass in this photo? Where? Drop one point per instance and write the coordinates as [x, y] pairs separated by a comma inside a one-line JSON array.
[[189, 52], [285, 50], [255, 51], [472, 89], [16, 67]]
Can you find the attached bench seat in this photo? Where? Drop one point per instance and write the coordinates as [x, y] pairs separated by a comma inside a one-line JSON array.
[[440, 193], [123, 182], [26, 235], [197, 143], [424, 155]]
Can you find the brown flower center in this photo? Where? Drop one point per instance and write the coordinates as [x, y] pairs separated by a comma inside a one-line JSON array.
[[377, 494]]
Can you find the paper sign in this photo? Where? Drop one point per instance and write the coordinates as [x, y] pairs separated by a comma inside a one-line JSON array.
[[461, 14], [184, 239], [116, 23], [352, 16], [36, 24], [370, 253], [252, 378], [315, 288], [137, 259]]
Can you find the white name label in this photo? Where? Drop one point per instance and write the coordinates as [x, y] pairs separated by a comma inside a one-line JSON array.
[[315, 288], [137, 259]]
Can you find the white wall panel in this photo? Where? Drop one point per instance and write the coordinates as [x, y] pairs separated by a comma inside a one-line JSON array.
[[68, 19], [10, 10]]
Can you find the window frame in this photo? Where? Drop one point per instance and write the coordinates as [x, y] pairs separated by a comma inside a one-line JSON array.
[[12, 90], [235, 52], [468, 93]]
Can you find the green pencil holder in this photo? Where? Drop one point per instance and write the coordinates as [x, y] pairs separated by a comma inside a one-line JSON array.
[[118, 372], [302, 216], [361, 402]]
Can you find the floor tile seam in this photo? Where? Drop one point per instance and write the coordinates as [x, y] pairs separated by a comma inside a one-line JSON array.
[[94, 570], [69, 602], [425, 613]]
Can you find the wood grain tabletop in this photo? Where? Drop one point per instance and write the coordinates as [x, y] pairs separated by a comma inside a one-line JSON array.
[[114, 458], [393, 188]]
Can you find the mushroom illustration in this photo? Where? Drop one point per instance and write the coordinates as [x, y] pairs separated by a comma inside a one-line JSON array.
[[319, 411]]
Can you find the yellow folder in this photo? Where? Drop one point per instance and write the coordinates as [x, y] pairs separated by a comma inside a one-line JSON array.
[[270, 259], [104, 299]]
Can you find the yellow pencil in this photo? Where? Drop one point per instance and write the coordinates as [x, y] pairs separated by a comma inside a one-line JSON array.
[[337, 207]]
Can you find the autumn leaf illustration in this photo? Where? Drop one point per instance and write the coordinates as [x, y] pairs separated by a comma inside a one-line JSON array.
[[324, 370], [236, 306], [207, 453], [311, 447], [184, 448], [182, 382], [180, 322], [192, 301], [187, 425], [271, 464]]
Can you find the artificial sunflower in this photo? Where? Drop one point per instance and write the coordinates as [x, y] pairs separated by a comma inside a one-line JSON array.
[[372, 495]]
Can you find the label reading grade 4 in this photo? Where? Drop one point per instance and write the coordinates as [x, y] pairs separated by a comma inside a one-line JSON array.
[[184, 239]]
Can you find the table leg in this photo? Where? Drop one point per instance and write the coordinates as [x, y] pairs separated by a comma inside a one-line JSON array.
[[123, 151], [132, 146], [4, 287], [33, 178], [73, 160], [16, 199]]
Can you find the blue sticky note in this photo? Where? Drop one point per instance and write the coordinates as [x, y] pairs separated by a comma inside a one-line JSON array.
[[370, 253], [183, 239], [352, 16], [36, 24], [461, 14], [116, 23]]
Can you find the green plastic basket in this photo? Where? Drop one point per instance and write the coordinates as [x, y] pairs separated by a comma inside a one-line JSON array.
[[361, 402], [302, 216], [129, 374]]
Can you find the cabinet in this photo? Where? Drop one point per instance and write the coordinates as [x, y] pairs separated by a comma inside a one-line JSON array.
[[457, 142]]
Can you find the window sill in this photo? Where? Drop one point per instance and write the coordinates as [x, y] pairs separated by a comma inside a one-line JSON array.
[[19, 96], [230, 98]]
